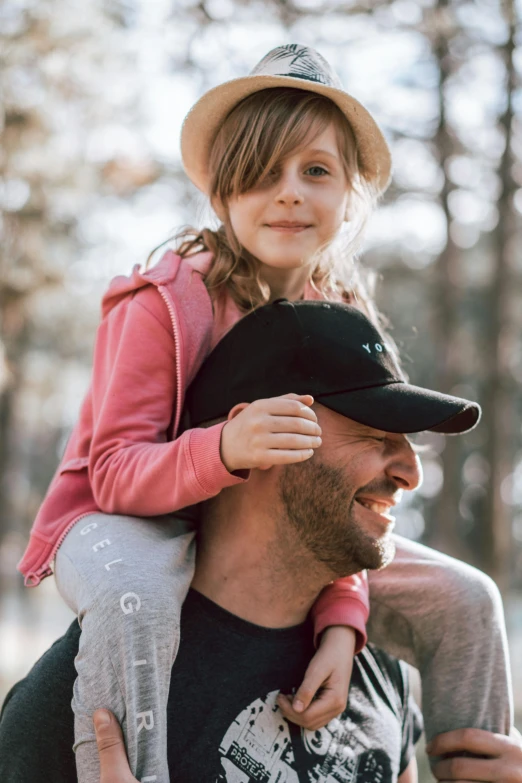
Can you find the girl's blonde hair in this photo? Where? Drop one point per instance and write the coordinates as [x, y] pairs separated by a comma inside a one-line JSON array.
[[256, 136]]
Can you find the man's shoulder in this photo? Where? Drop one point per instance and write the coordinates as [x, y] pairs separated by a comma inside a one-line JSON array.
[[55, 667], [60, 657], [39, 707]]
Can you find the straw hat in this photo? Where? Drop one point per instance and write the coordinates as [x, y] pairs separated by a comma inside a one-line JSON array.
[[291, 65]]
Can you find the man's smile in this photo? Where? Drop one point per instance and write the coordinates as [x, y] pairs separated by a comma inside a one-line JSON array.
[[378, 508]]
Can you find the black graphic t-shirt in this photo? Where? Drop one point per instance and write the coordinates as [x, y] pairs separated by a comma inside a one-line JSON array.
[[224, 725]]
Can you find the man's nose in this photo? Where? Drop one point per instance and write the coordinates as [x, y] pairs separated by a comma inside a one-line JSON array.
[[289, 190], [405, 467]]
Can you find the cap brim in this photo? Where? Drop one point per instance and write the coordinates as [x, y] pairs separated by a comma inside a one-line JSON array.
[[401, 407]]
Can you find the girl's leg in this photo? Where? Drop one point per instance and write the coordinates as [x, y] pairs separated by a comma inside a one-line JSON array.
[[126, 578], [446, 619]]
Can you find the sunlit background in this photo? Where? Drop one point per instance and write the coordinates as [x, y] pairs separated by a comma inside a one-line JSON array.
[[94, 96]]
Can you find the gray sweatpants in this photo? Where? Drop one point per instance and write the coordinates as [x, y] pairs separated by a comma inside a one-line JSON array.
[[126, 579]]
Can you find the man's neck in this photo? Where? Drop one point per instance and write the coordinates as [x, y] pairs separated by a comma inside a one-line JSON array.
[[251, 567]]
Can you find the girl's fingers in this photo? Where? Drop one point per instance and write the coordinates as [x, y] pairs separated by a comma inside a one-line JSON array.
[[327, 706], [306, 399], [285, 705], [317, 715], [284, 456], [289, 441], [316, 675], [287, 708], [282, 406], [293, 424], [315, 703]]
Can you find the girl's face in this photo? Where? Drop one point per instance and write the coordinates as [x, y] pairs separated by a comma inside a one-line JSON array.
[[296, 210]]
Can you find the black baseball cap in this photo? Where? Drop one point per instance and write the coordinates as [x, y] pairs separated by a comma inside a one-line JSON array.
[[331, 351]]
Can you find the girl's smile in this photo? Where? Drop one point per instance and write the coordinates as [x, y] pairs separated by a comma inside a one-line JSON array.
[[287, 227]]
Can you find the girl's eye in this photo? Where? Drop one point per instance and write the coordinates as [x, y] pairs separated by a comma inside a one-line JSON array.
[[315, 170]]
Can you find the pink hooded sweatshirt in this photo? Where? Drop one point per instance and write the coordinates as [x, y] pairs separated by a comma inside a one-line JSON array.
[[123, 456]]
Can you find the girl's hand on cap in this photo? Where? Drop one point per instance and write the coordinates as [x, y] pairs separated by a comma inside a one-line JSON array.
[[275, 431]]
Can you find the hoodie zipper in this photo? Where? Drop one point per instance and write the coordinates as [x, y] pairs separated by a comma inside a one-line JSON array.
[[35, 577], [177, 350]]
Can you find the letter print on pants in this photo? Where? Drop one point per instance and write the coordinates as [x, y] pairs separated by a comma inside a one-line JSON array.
[[126, 578]]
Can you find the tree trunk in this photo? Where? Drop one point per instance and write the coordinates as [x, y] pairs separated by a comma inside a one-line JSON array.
[[446, 305], [498, 407]]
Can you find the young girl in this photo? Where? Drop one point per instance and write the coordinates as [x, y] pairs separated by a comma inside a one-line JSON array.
[[288, 159]]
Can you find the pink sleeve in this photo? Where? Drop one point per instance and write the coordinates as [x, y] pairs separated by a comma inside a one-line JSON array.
[[133, 468], [344, 602]]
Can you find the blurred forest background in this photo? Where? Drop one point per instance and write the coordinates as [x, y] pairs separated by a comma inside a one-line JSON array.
[[94, 94]]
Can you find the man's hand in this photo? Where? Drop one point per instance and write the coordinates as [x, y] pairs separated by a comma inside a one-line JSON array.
[[114, 766], [502, 762]]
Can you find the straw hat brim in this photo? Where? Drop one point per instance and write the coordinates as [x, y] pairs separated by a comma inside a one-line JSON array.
[[204, 119]]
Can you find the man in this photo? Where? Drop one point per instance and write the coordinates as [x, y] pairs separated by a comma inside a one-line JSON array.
[[266, 548]]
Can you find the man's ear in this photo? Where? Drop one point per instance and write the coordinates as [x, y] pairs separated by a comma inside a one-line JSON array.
[[237, 409]]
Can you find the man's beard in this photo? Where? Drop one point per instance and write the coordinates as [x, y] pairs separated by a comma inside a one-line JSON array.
[[321, 507]]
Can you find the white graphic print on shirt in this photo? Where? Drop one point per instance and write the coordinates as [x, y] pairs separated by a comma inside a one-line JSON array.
[[261, 746]]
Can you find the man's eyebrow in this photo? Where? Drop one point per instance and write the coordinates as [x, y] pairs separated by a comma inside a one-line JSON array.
[[364, 429]]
